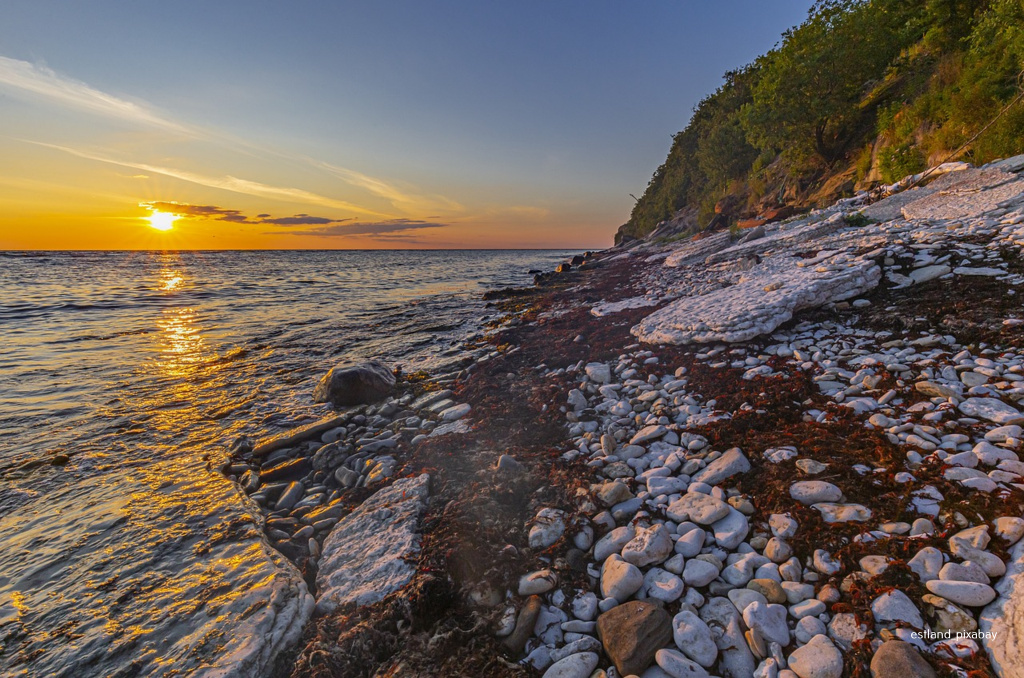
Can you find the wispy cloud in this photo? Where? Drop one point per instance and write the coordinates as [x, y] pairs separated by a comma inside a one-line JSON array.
[[375, 228], [23, 77], [227, 183], [216, 213], [405, 199]]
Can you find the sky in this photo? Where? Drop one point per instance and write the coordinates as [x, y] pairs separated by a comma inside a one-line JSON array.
[[333, 125]]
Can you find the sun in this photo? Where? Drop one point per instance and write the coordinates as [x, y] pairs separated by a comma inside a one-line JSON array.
[[162, 221]]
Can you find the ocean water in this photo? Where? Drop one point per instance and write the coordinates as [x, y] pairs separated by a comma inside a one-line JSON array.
[[133, 557]]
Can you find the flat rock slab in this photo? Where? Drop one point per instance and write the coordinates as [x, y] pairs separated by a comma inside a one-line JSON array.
[[977, 192], [365, 555], [297, 435], [992, 409], [769, 295], [732, 462]]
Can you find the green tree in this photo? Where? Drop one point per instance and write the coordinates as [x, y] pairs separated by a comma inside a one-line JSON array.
[[806, 101]]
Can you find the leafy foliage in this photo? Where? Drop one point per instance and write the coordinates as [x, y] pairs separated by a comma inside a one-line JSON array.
[[876, 88]]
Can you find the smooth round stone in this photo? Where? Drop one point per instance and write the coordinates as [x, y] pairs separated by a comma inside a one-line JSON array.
[[807, 628], [693, 636], [926, 563], [897, 606], [691, 543], [585, 606], [971, 594], [769, 620], [699, 572], [579, 665], [731, 530], [782, 525], [620, 579], [819, 658], [777, 550], [650, 545], [967, 571], [702, 509], [662, 585], [899, 659], [675, 665], [809, 492], [541, 581], [741, 598], [769, 588], [808, 608]]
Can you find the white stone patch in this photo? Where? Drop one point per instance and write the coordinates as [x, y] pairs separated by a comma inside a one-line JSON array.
[[772, 293], [364, 556], [609, 307]]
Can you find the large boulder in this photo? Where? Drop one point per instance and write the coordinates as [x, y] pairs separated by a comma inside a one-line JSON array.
[[354, 384]]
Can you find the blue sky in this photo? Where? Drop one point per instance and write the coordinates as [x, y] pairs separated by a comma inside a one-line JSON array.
[[503, 124]]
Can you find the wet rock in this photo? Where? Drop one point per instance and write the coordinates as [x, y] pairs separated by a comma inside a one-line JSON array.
[[330, 456], [632, 633], [291, 496], [348, 384]]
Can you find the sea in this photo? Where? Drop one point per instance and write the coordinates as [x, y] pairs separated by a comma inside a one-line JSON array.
[[122, 377]]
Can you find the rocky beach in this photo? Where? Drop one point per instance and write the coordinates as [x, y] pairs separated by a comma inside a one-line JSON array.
[[791, 450]]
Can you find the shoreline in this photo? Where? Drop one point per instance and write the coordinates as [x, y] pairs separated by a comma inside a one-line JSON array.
[[806, 497]]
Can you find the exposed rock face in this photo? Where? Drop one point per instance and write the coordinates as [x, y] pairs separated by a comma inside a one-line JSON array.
[[364, 555], [770, 295], [354, 384], [632, 633], [1004, 619]]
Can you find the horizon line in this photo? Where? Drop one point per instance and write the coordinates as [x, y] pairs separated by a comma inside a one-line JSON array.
[[309, 249]]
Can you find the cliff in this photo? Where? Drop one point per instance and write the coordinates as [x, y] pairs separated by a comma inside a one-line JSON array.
[[860, 94]]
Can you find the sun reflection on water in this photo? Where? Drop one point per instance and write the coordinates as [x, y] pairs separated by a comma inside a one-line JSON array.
[[172, 282]]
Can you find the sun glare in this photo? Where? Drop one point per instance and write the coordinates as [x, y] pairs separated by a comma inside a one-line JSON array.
[[162, 221]]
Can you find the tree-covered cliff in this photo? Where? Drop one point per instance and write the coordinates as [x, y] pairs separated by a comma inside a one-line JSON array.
[[862, 92]]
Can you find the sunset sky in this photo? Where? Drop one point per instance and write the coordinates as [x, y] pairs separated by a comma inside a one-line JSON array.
[[269, 124]]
